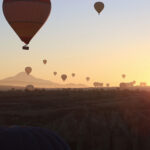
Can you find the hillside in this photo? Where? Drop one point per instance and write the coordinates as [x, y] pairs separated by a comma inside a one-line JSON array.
[[22, 80]]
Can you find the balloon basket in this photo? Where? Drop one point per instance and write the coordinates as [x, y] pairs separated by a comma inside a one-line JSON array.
[[25, 47]]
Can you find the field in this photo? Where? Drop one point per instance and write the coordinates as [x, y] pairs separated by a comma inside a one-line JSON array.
[[91, 119]]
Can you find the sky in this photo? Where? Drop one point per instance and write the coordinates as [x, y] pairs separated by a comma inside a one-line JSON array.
[[76, 39]]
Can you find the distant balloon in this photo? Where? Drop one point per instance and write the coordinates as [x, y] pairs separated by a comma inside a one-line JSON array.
[[28, 70], [26, 17], [73, 74], [108, 85], [64, 77], [55, 73], [123, 76], [29, 88], [45, 61], [99, 6], [87, 78]]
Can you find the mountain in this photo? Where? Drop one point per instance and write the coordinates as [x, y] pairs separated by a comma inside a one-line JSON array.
[[22, 80]]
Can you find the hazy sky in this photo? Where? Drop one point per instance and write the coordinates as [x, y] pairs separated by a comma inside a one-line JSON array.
[[76, 39]]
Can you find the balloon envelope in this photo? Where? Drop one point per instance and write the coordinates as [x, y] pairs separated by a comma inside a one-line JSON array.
[[55, 73], [108, 85], [87, 78], [64, 77], [123, 76], [44, 61], [28, 70], [99, 6], [73, 74], [26, 17]]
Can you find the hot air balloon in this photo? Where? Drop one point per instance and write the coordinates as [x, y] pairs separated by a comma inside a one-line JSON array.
[[55, 73], [73, 74], [30, 138], [107, 84], [28, 70], [87, 78], [26, 17], [45, 61], [123, 76], [99, 6], [64, 77]]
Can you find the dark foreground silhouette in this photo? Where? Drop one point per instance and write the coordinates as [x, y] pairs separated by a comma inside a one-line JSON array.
[[86, 119], [30, 138]]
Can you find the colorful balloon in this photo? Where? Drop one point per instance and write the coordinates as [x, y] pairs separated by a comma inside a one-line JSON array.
[[28, 70], [99, 6], [64, 77], [26, 17]]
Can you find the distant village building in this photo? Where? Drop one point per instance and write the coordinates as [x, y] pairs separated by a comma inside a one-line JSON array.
[[127, 85], [29, 88], [98, 84], [143, 84]]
